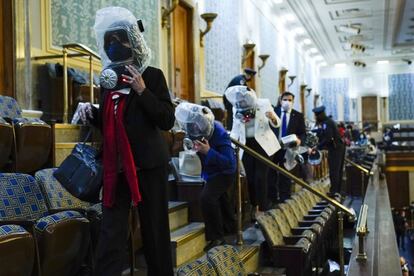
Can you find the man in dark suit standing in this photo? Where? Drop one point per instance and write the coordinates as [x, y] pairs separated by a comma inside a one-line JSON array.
[[241, 79], [293, 122]]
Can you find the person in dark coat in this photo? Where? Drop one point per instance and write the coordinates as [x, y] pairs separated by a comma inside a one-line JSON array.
[[330, 139], [293, 122], [400, 224], [241, 79], [134, 106]]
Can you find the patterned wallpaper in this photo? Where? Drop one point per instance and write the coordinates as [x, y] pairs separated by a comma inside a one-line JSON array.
[[269, 74], [329, 91], [401, 96], [222, 47], [72, 21]]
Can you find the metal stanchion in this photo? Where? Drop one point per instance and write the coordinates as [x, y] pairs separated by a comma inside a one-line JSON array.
[[91, 98], [239, 200], [362, 231], [362, 184], [341, 242], [65, 85]]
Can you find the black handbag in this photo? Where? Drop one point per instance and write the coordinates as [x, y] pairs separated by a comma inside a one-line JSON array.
[[81, 173]]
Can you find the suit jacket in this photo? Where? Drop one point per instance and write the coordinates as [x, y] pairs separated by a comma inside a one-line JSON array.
[[144, 116], [263, 134], [296, 124]]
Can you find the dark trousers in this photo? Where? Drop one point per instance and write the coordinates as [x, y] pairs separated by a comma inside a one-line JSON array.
[[153, 213], [280, 187], [217, 207], [400, 238], [256, 174], [335, 163]]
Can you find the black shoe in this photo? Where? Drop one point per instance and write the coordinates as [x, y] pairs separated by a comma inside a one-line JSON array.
[[212, 244]]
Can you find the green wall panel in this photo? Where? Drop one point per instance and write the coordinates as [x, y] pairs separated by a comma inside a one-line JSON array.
[[72, 21]]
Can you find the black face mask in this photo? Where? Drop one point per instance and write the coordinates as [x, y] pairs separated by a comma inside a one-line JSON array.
[[118, 52]]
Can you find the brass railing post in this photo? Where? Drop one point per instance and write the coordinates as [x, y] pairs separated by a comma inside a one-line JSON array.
[[91, 96], [362, 231], [65, 85], [341, 242], [362, 184], [239, 200]]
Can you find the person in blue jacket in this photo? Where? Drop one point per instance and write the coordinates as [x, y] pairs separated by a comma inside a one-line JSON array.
[[213, 146]]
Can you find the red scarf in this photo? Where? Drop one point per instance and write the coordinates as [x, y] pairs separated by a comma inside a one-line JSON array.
[[117, 151]]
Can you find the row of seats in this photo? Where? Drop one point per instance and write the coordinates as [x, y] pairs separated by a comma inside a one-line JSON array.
[[25, 143], [299, 232], [43, 229]]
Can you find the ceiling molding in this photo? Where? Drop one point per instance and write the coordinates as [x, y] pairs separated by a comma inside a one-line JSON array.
[[309, 18]]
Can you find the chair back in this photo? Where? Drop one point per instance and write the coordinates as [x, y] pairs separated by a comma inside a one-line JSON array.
[[270, 229], [226, 261], [21, 198], [9, 108], [55, 194], [196, 268]]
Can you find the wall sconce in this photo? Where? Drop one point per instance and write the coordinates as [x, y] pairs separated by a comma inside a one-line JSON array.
[[264, 59], [282, 77], [309, 91], [358, 63], [209, 18], [248, 50], [166, 13], [292, 80]]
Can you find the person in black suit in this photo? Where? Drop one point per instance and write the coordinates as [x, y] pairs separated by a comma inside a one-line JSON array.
[[135, 157], [241, 79], [293, 122]]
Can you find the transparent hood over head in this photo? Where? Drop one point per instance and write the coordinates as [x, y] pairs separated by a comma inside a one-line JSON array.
[[120, 40], [196, 120]]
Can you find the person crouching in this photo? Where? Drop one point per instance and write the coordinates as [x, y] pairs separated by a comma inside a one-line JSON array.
[[213, 146]]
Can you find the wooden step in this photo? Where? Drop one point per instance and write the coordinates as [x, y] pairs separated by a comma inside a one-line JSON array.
[[187, 243], [177, 214], [62, 150], [67, 133], [249, 255]]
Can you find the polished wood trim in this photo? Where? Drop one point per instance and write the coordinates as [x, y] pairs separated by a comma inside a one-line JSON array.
[[381, 243], [399, 168], [49, 49], [7, 17], [67, 126], [190, 236]]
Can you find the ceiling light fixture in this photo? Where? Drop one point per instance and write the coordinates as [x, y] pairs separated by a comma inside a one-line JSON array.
[[307, 41], [340, 65], [289, 17], [360, 63], [313, 50], [383, 62], [299, 31], [358, 47], [408, 61]]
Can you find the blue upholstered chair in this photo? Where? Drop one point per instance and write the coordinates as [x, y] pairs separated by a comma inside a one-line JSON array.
[[197, 268], [33, 137], [17, 251], [57, 198], [294, 255], [226, 261], [62, 238]]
